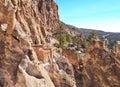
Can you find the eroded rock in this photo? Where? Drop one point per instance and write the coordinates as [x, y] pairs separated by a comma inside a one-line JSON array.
[[118, 47], [98, 63], [23, 24]]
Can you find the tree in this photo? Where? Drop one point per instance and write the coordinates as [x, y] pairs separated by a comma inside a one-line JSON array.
[[111, 44], [92, 35], [78, 40], [60, 35], [68, 38]]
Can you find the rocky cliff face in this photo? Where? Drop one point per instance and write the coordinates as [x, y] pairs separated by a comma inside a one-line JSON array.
[[99, 66], [24, 24], [102, 66], [29, 59]]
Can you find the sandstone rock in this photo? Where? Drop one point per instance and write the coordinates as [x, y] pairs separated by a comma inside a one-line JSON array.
[[54, 74], [35, 75], [33, 71], [118, 47], [4, 27], [65, 65], [71, 55], [27, 25], [62, 73], [100, 67]]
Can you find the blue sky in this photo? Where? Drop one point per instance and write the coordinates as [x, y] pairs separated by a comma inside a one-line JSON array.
[[95, 14]]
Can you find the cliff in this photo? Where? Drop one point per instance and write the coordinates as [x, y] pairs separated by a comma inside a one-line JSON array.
[[98, 67], [102, 66], [24, 24], [29, 59]]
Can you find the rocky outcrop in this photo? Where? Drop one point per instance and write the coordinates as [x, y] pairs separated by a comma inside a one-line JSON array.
[[101, 67], [118, 47], [34, 74], [71, 55], [23, 24], [61, 72]]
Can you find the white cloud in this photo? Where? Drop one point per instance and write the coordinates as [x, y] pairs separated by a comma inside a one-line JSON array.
[[107, 28], [109, 25]]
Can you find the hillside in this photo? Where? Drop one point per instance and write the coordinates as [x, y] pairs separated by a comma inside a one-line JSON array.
[[86, 32]]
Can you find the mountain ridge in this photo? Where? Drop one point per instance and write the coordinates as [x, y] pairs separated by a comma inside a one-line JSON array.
[[86, 32]]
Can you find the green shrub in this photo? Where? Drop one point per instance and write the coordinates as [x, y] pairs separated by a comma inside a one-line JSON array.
[[56, 45]]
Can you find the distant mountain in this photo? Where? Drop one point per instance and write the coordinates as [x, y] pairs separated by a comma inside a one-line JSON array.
[[100, 33]]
